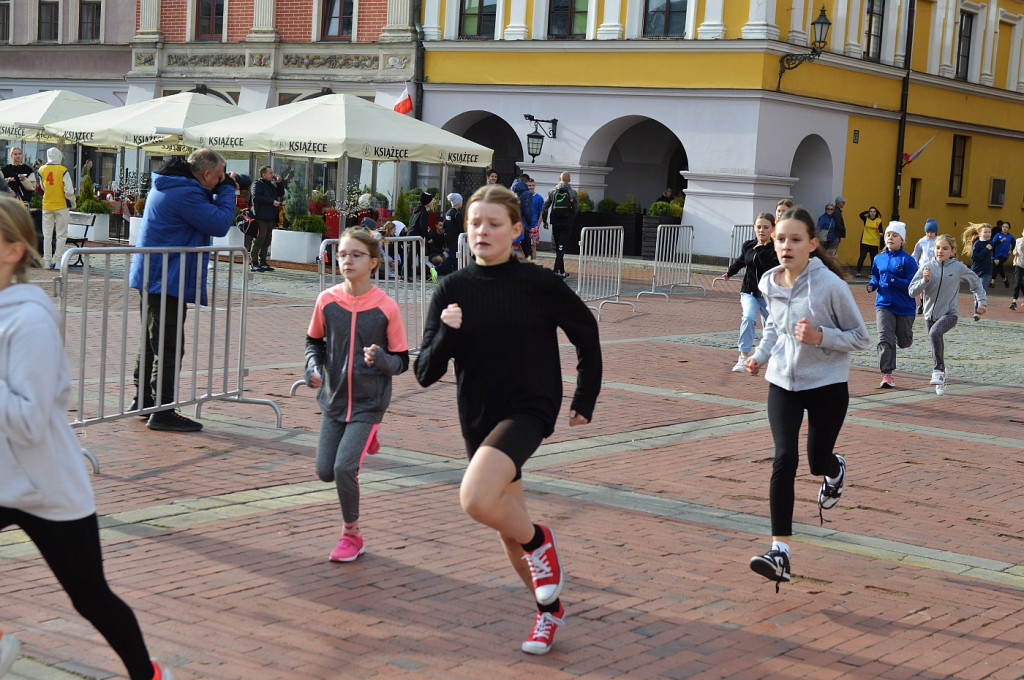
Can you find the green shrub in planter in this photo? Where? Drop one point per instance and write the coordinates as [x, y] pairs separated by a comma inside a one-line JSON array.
[[88, 203], [660, 209], [36, 202], [312, 224], [629, 206], [607, 205], [586, 203]]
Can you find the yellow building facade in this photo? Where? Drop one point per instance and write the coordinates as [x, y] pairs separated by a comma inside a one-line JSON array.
[[688, 93]]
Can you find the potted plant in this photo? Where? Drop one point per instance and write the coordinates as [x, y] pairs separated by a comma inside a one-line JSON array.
[[316, 202], [301, 243], [610, 213], [135, 223], [586, 203], [660, 212], [88, 203], [607, 205]]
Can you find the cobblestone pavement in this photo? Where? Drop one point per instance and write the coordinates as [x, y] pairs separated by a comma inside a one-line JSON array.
[[219, 539]]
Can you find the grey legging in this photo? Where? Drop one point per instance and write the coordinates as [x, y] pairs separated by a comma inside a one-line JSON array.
[[936, 329], [339, 455]]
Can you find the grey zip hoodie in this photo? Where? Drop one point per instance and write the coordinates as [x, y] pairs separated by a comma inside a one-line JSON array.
[[943, 286], [826, 302]]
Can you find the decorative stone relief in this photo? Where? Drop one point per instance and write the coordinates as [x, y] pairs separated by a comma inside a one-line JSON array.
[[397, 61], [145, 59], [260, 60], [206, 60], [337, 61]]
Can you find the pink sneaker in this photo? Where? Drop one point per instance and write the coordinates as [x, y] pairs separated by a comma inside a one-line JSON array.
[[887, 381], [543, 634], [161, 672], [545, 569], [349, 548], [10, 649]]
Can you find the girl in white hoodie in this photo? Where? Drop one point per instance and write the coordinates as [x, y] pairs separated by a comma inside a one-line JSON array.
[[44, 486], [813, 325]]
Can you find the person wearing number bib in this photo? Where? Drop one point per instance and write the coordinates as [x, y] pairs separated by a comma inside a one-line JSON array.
[[58, 198]]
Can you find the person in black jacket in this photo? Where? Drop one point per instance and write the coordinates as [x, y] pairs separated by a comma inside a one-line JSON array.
[[506, 407], [266, 193], [757, 257], [20, 179], [419, 222]]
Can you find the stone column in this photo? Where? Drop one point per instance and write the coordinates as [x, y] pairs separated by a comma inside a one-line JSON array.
[[516, 29], [262, 22], [399, 27], [149, 22], [761, 21], [853, 31], [610, 28], [432, 20], [712, 27], [798, 24]]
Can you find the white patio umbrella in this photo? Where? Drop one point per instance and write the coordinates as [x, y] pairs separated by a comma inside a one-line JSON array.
[[23, 117], [336, 125]]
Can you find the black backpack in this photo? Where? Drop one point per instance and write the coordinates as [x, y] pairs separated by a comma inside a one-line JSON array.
[[246, 223], [561, 203]]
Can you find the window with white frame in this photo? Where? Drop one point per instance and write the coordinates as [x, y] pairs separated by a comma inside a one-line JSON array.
[[875, 11], [49, 21], [89, 16], [963, 45]]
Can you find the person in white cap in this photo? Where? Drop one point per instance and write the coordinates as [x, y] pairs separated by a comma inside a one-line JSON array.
[[58, 198], [895, 309]]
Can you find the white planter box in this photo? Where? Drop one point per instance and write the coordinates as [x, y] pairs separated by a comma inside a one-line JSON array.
[[295, 246], [234, 237], [134, 227]]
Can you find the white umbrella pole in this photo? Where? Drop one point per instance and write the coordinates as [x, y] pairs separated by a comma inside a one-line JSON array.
[[343, 187], [78, 165], [395, 191], [138, 172], [444, 185]]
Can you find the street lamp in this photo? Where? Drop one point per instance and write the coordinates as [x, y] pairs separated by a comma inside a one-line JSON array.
[[534, 139], [788, 62]]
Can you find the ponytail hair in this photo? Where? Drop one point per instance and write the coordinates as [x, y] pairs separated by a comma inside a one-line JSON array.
[[971, 234], [800, 214]]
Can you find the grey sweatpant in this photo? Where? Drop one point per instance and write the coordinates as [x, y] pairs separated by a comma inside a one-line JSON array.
[[339, 455], [936, 329], [893, 331]]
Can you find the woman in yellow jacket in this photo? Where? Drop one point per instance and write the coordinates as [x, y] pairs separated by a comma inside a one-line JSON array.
[[870, 239]]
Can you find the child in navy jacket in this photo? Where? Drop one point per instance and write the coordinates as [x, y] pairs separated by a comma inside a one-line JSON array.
[[895, 310]]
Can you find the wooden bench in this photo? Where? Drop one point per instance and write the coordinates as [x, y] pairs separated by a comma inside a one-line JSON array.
[[78, 232]]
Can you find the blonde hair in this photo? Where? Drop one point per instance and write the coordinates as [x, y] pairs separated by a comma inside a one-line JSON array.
[[389, 229], [950, 240], [364, 236], [495, 193], [971, 234], [16, 227]]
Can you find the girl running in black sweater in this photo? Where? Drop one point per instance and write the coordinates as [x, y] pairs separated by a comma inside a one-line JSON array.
[[484, 316]]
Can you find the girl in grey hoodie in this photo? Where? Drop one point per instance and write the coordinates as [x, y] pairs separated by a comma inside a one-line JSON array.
[[44, 487], [813, 325], [939, 279]]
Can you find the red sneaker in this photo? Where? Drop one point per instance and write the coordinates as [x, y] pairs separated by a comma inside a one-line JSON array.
[[161, 672], [542, 636], [545, 569]]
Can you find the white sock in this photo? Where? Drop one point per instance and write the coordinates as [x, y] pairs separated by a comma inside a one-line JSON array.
[[832, 480], [780, 546]]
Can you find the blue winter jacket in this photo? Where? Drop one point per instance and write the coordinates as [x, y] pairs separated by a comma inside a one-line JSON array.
[[1002, 244], [525, 206], [891, 272], [180, 212]]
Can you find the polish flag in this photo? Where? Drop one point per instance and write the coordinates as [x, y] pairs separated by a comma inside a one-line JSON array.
[[404, 103], [909, 158]]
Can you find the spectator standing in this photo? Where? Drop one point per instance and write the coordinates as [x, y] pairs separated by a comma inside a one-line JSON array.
[[20, 178], [1003, 243], [267, 193], [44, 488], [826, 227], [559, 210], [492, 176], [58, 199], [522, 192], [666, 196], [538, 205], [190, 202], [840, 231], [895, 311], [869, 240], [419, 222]]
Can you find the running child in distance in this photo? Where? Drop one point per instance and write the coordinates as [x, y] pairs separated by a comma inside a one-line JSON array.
[[354, 345], [813, 325], [485, 316]]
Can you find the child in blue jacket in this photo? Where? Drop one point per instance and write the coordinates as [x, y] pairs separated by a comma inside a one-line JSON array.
[[977, 238], [1003, 244], [895, 310]]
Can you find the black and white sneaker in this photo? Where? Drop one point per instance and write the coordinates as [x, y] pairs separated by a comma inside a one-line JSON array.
[[829, 494], [773, 565]]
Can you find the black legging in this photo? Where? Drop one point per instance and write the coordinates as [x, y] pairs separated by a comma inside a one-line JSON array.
[[1018, 282], [997, 269], [826, 410], [866, 251], [559, 234], [72, 550]]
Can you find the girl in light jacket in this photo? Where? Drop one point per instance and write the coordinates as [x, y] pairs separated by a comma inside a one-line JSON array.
[[44, 486], [813, 325]]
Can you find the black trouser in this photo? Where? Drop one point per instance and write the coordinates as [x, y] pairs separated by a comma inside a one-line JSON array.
[[997, 269], [160, 359], [72, 551], [826, 410], [261, 243], [1018, 281], [559, 234], [868, 252]]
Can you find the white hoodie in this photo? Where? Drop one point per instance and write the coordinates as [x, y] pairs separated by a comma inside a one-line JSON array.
[[42, 471]]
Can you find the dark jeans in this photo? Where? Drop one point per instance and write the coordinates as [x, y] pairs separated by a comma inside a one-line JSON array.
[[261, 244], [559, 234], [1018, 280], [867, 252], [160, 359], [72, 551], [826, 410]]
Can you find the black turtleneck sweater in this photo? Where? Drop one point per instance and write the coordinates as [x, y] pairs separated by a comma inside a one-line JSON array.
[[506, 352]]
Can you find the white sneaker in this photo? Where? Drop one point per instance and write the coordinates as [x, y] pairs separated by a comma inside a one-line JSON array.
[[940, 389], [938, 378], [739, 367], [10, 650]]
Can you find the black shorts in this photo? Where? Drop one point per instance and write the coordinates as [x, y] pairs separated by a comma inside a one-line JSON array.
[[518, 437]]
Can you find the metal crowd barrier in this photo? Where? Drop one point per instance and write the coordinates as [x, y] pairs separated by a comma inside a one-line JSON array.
[[464, 254], [102, 330], [741, 233], [673, 254], [405, 281], [600, 275]]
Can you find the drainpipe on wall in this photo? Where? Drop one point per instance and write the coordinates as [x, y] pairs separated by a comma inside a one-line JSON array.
[[902, 129], [417, 94]]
